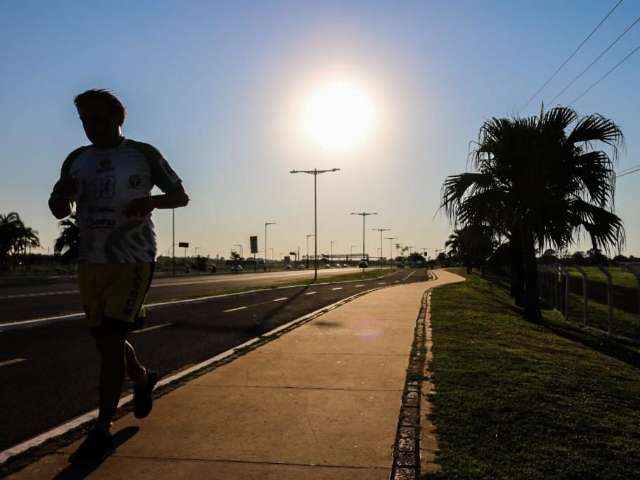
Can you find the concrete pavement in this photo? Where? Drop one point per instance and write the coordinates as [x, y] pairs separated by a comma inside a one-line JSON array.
[[320, 402]]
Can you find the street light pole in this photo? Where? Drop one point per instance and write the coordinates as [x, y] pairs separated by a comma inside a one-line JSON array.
[[364, 215], [315, 172], [308, 236], [266, 224], [381, 230], [331, 252], [173, 245], [391, 239]]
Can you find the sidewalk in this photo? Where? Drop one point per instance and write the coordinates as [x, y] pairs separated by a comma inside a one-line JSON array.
[[321, 402]]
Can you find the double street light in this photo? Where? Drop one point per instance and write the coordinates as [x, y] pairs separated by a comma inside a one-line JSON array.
[[364, 215], [381, 230], [391, 239], [315, 172]]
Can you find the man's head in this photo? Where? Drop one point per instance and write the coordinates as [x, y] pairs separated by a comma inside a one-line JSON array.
[[102, 116]]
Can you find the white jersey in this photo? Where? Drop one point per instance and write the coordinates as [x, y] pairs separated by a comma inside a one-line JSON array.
[[108, 180]]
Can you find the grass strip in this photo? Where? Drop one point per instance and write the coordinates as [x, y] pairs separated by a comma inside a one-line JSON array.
[[516, 400]]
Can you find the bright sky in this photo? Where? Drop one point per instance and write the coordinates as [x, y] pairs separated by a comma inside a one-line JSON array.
[[233, 93]]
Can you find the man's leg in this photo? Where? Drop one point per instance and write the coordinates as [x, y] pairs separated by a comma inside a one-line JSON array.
[[111, 344]]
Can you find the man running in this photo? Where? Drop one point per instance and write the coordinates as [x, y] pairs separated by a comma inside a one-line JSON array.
[[110, 181]]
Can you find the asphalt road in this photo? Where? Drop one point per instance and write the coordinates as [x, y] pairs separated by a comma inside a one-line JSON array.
[[49, 374], [37, 301]]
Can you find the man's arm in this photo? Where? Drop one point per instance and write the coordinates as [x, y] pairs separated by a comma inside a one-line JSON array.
[[61, 197], [141, 207]]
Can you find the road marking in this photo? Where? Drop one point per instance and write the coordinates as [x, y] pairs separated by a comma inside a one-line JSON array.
[[42, 294], [382, 283], [407, 277], [280, 299], [11, 362], [311, 293], [155, 327], [234, 309], [397, 281], [42, 321], [336, 288]]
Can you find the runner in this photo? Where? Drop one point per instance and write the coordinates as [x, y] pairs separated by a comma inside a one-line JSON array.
[[110, 182]]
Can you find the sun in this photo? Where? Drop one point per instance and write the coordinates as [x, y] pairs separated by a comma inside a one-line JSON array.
[[338, 116]]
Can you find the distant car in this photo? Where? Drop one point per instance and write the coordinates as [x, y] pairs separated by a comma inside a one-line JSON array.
[[363, 264], [327, 265], [288, 266], [236, 268]]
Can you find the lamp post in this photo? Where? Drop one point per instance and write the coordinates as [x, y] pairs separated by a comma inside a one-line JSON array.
[[331, 251], [381, 230], [266, 224], [364, 215], [315, 172], [173, 245], [309, 235], [391, 239]]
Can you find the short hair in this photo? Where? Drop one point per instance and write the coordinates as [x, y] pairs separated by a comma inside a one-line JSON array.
[[106, 97]]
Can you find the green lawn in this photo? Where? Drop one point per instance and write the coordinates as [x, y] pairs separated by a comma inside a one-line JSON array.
[[619, 276], [516, 400]]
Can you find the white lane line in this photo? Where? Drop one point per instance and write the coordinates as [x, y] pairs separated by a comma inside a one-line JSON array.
[[336, 288], [36, 322], [397, 281], [42, 294], [11, 362], [311, 293], [155, 327], [407, 277], [280, 299], [382, 283], [233, 309]]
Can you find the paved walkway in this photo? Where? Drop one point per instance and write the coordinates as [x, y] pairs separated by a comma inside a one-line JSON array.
[[320, 402]]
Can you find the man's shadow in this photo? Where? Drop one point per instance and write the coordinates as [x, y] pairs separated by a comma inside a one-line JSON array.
[[79, 471]]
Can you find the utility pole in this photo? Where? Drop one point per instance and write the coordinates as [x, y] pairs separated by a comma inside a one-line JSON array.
[[315, 172], [364, 215], [381, 230], [266, 224], [331, 252]]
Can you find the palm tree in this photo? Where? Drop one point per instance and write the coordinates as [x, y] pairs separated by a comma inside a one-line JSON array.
[[15, 237], [539, 182], [68, 243]]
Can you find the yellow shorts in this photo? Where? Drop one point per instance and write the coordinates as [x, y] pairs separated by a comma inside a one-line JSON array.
[[116, 291]]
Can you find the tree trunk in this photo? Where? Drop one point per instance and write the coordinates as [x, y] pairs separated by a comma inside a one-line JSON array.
[[532, 296], [517, 269]]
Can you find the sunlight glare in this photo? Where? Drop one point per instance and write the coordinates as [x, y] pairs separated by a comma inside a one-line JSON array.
[[338, 116]]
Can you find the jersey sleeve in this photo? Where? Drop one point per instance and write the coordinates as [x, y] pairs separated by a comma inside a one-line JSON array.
[[162, 175], [68, 162]]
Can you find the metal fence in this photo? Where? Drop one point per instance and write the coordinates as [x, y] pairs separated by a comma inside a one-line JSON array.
[[602, 297]]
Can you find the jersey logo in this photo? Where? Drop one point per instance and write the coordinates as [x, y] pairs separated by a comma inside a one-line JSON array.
[[105, 166], [135, 181]]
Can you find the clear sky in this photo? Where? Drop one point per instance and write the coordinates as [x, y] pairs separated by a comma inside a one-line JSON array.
[[218, 88]]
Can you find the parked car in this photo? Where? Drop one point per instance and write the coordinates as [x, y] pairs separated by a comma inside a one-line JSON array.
[[363, 264], [236, 268]]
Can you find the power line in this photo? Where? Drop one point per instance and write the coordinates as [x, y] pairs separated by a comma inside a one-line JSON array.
[[605, 75], [629, 172], [625, 170], [571, 56], [602, 54]]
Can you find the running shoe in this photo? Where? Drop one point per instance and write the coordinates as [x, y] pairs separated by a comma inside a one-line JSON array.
[[142, 395]]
